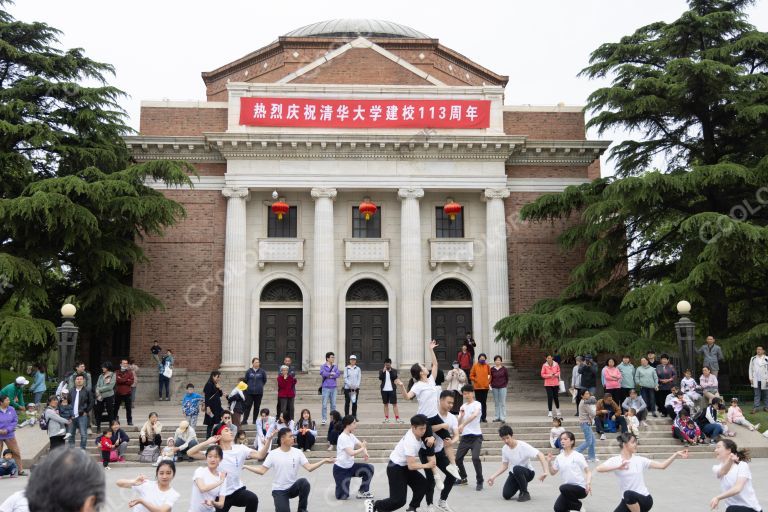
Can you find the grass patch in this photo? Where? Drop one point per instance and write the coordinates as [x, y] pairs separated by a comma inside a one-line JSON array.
[[761, 417]]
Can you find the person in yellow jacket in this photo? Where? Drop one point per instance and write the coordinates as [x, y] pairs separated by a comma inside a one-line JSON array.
[[480, 375]]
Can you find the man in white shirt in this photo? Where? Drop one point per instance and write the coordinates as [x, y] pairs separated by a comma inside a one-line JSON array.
[[345, 469], [758, 378], [286, 460], [471, 436], [403, 470], [352, 378], [388, 376], [516, 458]]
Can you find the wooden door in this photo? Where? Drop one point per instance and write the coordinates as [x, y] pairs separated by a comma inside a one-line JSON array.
[[280, 333], [449, 328], [368, 336]]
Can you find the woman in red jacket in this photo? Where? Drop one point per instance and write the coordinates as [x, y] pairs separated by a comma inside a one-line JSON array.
[[286, 390], [550, 372], [464, 358]]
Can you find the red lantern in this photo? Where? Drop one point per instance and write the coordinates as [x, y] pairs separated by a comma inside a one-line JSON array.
[[280, 208], [451, 209], [367, 208]]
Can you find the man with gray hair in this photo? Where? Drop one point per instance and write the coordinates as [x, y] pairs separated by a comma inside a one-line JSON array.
[[576, 382], [67, 480], [712, 354]]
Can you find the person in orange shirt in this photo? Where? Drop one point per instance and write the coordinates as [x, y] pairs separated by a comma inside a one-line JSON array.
[[480, 375]]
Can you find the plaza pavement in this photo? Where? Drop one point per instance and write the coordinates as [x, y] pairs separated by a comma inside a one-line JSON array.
[[687, 485]]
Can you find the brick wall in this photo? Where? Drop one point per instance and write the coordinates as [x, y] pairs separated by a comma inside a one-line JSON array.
[[184, 271], [182, 121], [548, 171], [545, 125]]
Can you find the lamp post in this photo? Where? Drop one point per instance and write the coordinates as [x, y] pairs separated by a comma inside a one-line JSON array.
[[686, 336], [67, 340]]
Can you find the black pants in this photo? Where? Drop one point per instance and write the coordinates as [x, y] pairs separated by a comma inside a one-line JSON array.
[[305, 441], [255, 401], [428, 433], [467, 443], [517, 481], [400, 479], [579, 391], [107, 405], [241, 498], [285, 405], [56, 441], [443, 433], [481, 395], [631, 497], [661, 396], [621, 422], [552, 396], [570, 495], [105, 458], [300, 489], [457, 401], [156, 440], [623, 394], [164, 382], [739, 508], [123, 399], [649, 397], [442, 463], [348, 393], [343, 476]]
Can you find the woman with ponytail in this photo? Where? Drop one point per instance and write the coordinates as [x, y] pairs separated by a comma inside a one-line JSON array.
[[629, 468], [577, 477], [735, 479]]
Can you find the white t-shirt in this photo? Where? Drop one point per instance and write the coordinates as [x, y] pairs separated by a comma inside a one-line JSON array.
[[196, 501], [571, 468], [746, 498], [408, 446], [521, 455], [428, 396], [286, 466], [16, 502], [631, 479], [453, 426], [387, 382], [232, 464], [473, 427], [343, 459], [150, 492]]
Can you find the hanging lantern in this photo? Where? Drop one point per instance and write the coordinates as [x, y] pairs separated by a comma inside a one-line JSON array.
[[367, 208], [451, 209], [280, 208]]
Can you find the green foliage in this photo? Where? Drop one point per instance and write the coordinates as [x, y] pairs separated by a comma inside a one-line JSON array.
[[71, 202], [697, 90]]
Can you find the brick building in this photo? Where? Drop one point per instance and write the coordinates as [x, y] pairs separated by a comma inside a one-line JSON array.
[[326, 120]]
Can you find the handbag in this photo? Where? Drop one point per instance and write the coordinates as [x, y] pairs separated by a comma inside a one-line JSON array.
[[561, 385], [167, 372], [113, 456]]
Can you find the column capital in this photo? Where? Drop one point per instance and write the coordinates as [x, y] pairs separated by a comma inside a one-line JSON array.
[[318, 193], [496, 193], [410, 193], [235, 193]]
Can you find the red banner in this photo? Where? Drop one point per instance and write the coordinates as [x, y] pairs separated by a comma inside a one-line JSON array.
[[383, 113]]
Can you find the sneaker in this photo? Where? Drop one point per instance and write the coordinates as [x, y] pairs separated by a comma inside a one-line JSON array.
[[602, 437], [369, 506], [398, 420], [557, 413], [107, 468], [594, 461], [483, 421], [330, 447], [439, 485], [462, 481], [479, 486], [756, 427], [67, 435], [411, 509], [386, 420], [524, 496], [453, 470], [364, 495], [309, 449], [323, 422], [154, 464], [549, 414], [443, 505], [654, 414]]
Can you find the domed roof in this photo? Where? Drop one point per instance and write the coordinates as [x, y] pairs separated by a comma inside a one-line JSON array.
[[352, 27]]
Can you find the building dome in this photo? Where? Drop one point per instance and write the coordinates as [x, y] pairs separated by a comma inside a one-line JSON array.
[[357, 27]]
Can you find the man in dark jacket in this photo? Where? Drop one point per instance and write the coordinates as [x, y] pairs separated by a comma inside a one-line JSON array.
[[588, 372], [82, 403], [123, 387], [255, 377], [388, 376]]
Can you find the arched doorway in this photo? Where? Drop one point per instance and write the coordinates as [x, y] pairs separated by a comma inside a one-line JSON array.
[[367, 319], [451, 305], [280, 324]]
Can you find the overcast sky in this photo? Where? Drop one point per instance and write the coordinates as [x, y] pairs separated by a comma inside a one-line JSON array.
[[159, 48]]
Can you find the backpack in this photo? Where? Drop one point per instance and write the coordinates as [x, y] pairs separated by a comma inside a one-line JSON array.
[[149, 453], [43, 422]]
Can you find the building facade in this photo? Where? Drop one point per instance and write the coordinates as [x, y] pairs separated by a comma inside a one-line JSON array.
[[325, 121]]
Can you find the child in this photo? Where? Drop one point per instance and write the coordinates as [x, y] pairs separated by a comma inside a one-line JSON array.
[[31, 416], [105, 445], [191, 404], [8, 465], [554, 433], [689, 387], [692, 431], [241, 438], [236, 401], [633, 424], [735, 415], [264, 427], [722, 419], [66, 412], [168, 453], [155, 350]]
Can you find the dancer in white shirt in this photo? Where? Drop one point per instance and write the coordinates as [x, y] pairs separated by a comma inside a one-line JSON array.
[[575, 472], [735, 479]]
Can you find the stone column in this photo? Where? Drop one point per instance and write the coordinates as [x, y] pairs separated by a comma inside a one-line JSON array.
[[233, 332], [412, 340], [323, 332], [496, 265]]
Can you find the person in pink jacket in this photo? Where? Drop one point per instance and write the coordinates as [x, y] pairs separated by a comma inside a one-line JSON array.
[[550, 372], [611, 377]]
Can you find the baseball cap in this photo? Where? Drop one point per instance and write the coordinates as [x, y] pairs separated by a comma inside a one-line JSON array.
[[22, 381], [353, 356], [588, 356]]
